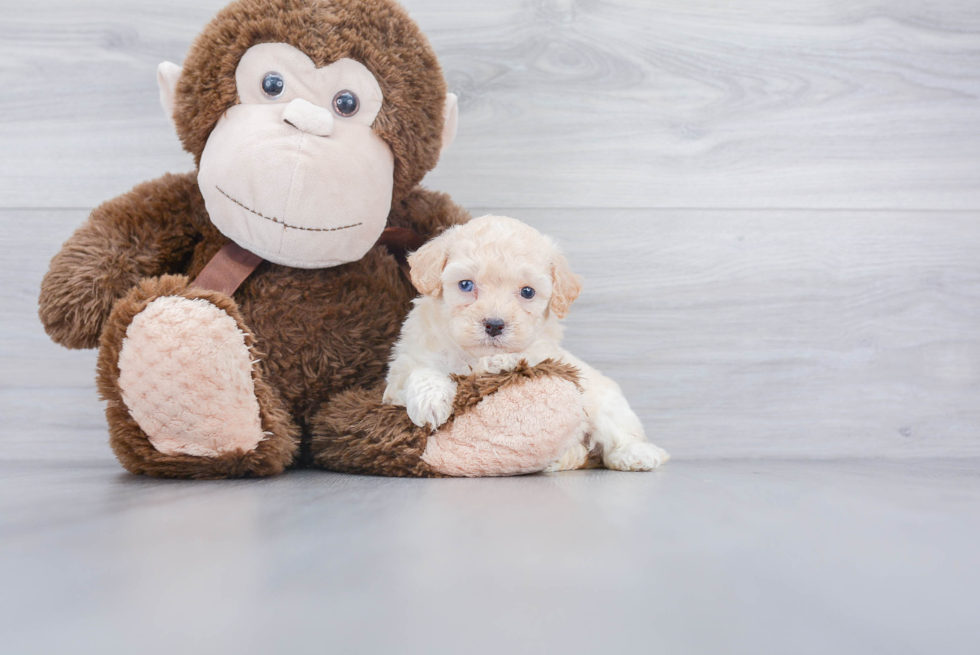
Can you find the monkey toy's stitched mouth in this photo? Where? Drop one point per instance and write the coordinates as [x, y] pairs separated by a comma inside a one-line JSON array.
[[284, 224]]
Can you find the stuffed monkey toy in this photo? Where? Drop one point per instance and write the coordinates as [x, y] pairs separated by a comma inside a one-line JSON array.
[[245, 312]]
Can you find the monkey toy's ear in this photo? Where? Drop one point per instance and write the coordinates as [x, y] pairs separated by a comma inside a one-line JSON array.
[[167, 75], [451, 121]]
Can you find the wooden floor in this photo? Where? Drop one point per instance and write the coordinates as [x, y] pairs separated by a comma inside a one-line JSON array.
[[804, 557], [776, 209]]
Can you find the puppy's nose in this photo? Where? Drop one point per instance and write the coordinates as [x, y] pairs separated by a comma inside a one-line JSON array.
[[493, 326]]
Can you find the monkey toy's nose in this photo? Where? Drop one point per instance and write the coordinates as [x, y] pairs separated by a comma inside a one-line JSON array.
[[309, 118], [493, 326]]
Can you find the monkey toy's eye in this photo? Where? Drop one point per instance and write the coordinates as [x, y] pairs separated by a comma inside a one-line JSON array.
[[346, 103], [466, 286], [527, 293], [273, 84]]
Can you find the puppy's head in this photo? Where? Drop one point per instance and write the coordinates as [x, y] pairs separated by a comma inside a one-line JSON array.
[[500, 281]]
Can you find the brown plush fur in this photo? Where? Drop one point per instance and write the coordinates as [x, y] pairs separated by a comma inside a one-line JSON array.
[[356, 433], [321, 331], [149, 231], [130, 443], [377, 33], [471, 389], [323, 336]]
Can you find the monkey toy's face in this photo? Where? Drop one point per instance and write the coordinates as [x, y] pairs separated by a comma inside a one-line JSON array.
[[294, 172], [309, 121]]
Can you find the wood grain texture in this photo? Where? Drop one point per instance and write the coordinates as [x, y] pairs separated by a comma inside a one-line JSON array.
[[814, 334], [733, 333], [616, 103], [792, 272]]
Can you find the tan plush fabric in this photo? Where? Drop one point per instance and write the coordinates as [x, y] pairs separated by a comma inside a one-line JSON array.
[[288, 178], [510, 433], [377, 33], [356, 433], [130, 442], [186, 377]]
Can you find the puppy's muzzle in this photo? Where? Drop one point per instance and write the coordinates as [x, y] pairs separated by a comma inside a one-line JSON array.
[[493, 326]]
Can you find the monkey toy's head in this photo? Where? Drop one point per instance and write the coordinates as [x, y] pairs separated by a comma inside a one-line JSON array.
[[308, 120]]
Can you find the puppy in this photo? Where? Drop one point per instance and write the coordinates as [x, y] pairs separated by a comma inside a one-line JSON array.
[[493, 291]]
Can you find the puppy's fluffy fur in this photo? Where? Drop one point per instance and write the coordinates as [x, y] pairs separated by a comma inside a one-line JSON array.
[[496, 270]]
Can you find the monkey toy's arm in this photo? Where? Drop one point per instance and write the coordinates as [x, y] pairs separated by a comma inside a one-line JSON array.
[[146, 232]]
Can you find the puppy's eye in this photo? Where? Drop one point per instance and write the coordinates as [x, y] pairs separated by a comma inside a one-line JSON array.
[[346, 104], [466, 286], [273, 85], [527, 293]]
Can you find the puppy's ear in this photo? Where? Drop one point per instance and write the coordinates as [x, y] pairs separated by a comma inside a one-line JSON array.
[[428, 262], [565, 285]]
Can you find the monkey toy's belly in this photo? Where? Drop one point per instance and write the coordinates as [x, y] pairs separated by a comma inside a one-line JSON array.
[[322, 331]]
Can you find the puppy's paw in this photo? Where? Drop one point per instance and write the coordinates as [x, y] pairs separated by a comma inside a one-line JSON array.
[[496, 363], [636, 456], [574, 458], [430, 401]]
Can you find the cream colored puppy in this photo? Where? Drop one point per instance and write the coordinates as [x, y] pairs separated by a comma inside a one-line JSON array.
[[493, 291]]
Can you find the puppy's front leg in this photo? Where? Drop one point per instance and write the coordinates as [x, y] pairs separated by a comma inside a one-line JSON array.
[[429, 397]]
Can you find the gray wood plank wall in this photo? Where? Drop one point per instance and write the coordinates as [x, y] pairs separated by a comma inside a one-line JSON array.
[[776, 206]]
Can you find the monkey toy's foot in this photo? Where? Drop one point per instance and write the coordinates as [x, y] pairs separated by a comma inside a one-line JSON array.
[[185, 396], [508, 423], [513, 422]]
